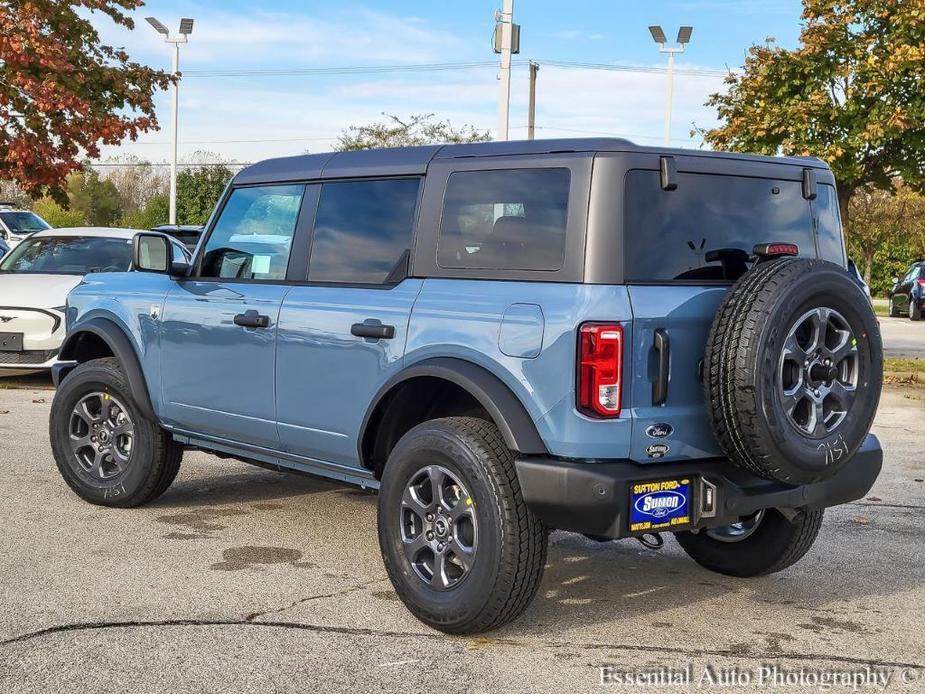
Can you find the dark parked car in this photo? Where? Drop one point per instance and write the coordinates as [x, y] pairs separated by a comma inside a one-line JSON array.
[[907, 297], [502, 338], [187, 234]]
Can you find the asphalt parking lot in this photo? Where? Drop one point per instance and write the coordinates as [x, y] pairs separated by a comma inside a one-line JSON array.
[[902, 337], [241, 579]]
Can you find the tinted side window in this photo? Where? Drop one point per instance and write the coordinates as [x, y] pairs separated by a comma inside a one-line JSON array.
[[363, 231], [828, 225], [511, 219], [253, 235], [707, 227]]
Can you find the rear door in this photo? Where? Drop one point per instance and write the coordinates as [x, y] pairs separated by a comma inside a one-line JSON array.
[[683, 247], [342, 330]]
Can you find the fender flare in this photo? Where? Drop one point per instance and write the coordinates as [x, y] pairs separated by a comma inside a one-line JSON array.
[[506, 410], [122, 349]]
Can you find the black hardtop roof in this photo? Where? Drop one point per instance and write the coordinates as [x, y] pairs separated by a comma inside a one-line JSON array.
[[399, 161]]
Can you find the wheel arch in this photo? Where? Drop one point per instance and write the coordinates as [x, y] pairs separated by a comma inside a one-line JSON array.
[[484, 388], [98, 338]]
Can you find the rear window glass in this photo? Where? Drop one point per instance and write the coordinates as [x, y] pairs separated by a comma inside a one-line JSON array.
[[828, 225], [707, 227], [512, 219], [363, 231]]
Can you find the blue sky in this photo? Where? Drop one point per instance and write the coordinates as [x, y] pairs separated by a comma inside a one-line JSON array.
[[247, 116]]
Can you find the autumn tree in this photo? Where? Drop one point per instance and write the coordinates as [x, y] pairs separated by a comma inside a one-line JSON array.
[[885, 230], [63, 92], [416, 130], [852, 93]]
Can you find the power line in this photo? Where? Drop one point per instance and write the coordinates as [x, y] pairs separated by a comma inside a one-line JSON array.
[[441, 67]]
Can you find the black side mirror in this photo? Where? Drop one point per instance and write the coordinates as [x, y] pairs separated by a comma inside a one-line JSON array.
[[151, 252]]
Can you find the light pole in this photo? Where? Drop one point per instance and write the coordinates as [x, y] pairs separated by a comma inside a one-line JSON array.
[[684, 37], [186, 28]]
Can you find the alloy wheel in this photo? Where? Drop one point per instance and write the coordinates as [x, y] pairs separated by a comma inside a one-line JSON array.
[[439, 530], [736, 532], [102, 435], [819, 372]]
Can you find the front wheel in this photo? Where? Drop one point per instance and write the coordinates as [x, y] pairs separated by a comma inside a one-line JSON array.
[[105, 449], [461, 548], [757, 545]]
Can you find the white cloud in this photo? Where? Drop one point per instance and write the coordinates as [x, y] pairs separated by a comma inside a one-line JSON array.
[[292, 114]]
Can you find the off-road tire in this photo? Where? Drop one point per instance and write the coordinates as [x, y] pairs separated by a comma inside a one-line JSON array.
[[511, 551], [742, 370], [155, 457], [776, 544]]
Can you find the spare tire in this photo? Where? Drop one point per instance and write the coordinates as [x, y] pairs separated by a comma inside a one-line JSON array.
[[793, 370]]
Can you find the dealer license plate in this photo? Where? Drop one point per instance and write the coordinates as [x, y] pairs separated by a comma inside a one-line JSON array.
[[660, 505]]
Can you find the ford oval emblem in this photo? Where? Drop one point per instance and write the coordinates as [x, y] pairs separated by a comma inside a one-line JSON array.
[[659, 431], [660, 504]]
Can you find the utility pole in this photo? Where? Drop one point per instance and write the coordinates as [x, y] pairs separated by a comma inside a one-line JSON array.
[[531, 115], [505, 27], [186, 28], [684, 37]]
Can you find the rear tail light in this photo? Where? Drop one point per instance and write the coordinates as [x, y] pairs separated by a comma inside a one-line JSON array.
[[600, 365], [921, 282]]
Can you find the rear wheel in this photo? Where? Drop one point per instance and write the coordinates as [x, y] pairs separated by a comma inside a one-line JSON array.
[[460, 546], [757, 545], [915, 313], [105, 449]]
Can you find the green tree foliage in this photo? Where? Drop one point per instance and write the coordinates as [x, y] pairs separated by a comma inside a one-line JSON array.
[[852, 93], [63, 92], [96, 198], [416, 130], [57, 216], [154, 213], [888, 233], [198, 190]]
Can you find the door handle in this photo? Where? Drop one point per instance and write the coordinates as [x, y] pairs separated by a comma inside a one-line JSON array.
[[252, 319], [662, 352], [374, 330]]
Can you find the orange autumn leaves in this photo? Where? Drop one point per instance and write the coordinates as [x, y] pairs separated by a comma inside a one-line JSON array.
[[63, 93]]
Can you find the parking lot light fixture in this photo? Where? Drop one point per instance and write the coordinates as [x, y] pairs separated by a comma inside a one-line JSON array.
[[186, 28], [684, 37]]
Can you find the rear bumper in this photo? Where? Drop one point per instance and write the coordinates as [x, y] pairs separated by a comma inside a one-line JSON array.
[[593, 498]]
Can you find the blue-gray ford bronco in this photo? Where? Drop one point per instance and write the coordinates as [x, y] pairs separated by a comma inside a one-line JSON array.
[[502, 339]]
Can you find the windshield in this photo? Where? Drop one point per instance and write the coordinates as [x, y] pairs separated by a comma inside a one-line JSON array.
[[69, 255], [23, 222]]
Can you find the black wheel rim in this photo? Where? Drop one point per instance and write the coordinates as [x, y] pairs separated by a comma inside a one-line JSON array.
[[819, 372], [736, 532], [439, 530], [101, 435]]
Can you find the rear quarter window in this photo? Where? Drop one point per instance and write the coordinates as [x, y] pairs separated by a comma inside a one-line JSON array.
[[510, 219], [705, 229]]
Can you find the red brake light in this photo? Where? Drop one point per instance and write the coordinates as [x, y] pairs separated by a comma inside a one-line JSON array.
[[922, 282], [770, 250], [600, 366]]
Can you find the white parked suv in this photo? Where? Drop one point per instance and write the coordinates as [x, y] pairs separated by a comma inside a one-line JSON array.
[[16, 224], [35, 278]]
